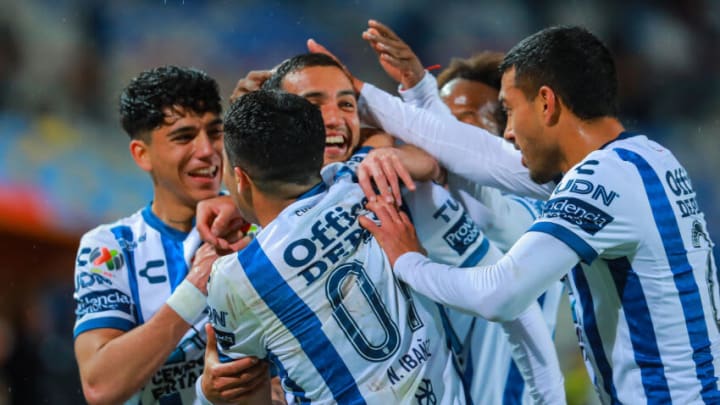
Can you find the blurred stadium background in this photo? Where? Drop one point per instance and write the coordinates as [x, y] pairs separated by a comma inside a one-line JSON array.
[[65, 167]]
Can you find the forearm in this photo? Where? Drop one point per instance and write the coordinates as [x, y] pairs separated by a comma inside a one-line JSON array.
[[121, 366], [534, 354], [466, 150], [499, 292], [420, 165]]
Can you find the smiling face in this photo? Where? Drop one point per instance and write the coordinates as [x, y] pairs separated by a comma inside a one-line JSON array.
[[184, 157], [540, 149], [472, 102], [330, 89]]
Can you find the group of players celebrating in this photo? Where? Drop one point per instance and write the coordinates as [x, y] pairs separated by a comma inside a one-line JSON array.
[[380, 249]]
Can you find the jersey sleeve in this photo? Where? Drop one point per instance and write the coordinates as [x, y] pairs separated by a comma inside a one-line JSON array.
[[466, 150], [594, 209], [503, 217], [237, 329], [103, 298], [425, 95]]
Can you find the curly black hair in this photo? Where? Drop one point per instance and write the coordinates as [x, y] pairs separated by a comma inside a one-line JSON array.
[[143, 100]]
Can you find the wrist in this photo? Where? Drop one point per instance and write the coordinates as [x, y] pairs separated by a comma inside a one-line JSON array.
[[188, 302]]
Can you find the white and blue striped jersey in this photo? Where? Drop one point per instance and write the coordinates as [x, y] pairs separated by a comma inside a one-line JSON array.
[[315, 294], [491, 375], [124, 273], [645, 294]]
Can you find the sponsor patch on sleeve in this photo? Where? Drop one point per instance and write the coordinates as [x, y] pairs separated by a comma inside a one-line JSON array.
[[463, 234], [577, 212], [100, 301]]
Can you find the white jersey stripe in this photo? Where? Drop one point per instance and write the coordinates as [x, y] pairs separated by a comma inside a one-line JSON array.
[[683, 274], [301, 321]]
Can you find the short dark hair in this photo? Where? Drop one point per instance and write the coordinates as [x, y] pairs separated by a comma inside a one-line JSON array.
[[571, 61], [143, 100], [276, 137], [298, 62], [482, 67]]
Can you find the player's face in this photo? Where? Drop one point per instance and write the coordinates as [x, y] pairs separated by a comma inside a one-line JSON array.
[[472, 102], [540, 149], [185, 155], [331, 90]]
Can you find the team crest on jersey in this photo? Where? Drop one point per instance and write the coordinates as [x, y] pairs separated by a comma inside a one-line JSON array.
[[577, 212]]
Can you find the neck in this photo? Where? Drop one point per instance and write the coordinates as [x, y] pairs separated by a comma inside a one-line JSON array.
[[586, 137], [267, 208], [172, 212]]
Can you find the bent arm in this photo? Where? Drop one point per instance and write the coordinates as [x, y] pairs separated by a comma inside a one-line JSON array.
[[499, 292], [534, 353], [463, 149], [115, 364]]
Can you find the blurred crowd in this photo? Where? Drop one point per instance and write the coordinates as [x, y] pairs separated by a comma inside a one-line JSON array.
[[63, 62]]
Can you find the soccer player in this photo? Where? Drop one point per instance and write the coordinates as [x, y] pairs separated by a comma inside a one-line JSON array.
[[139, 332], [313, 291], [624, 218], [446, 231], [469, 88]]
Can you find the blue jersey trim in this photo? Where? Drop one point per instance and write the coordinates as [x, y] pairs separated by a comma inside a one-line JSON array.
[[525, 205], [315, 190], [476, 256], [301, 321], [642, 331], [297, 391], [592, 334], [99, 323], [155, 222], [689, 295], [576, 243], [125, 233]]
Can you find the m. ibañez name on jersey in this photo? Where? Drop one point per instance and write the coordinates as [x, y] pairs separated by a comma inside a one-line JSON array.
[[418, 354], [99, 301], [464, 233], [575, 211], [332, 238], [679, 183]]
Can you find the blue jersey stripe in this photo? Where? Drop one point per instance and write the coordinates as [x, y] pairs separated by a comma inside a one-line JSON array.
[[642, 331], [98, 323], [689, 294], [174, 260], [514, 385], [301, 321], [125, 233], [477, 255], [589, 325], [297, 391], [582, 248]]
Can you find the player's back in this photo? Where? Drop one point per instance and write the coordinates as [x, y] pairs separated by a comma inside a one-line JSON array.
[[316, 294], [647, 301]]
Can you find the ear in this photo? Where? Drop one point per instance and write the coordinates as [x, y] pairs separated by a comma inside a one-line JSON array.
[[140, 152], [550, 104], [243, 180]]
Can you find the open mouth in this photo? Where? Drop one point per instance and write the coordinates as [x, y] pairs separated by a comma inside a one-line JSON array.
[[335, 145], [205, 172]]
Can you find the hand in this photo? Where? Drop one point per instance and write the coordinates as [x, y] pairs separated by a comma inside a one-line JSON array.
[[315, 47], [382, 167], [230, 382], [205, 256], [220, 225], [395, 56], [395, 234], [250, 83]]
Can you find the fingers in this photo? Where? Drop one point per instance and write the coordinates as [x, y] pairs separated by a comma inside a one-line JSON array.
[[252, 82], [211, 345], [204, 217], [315, 47], [369, 224]]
